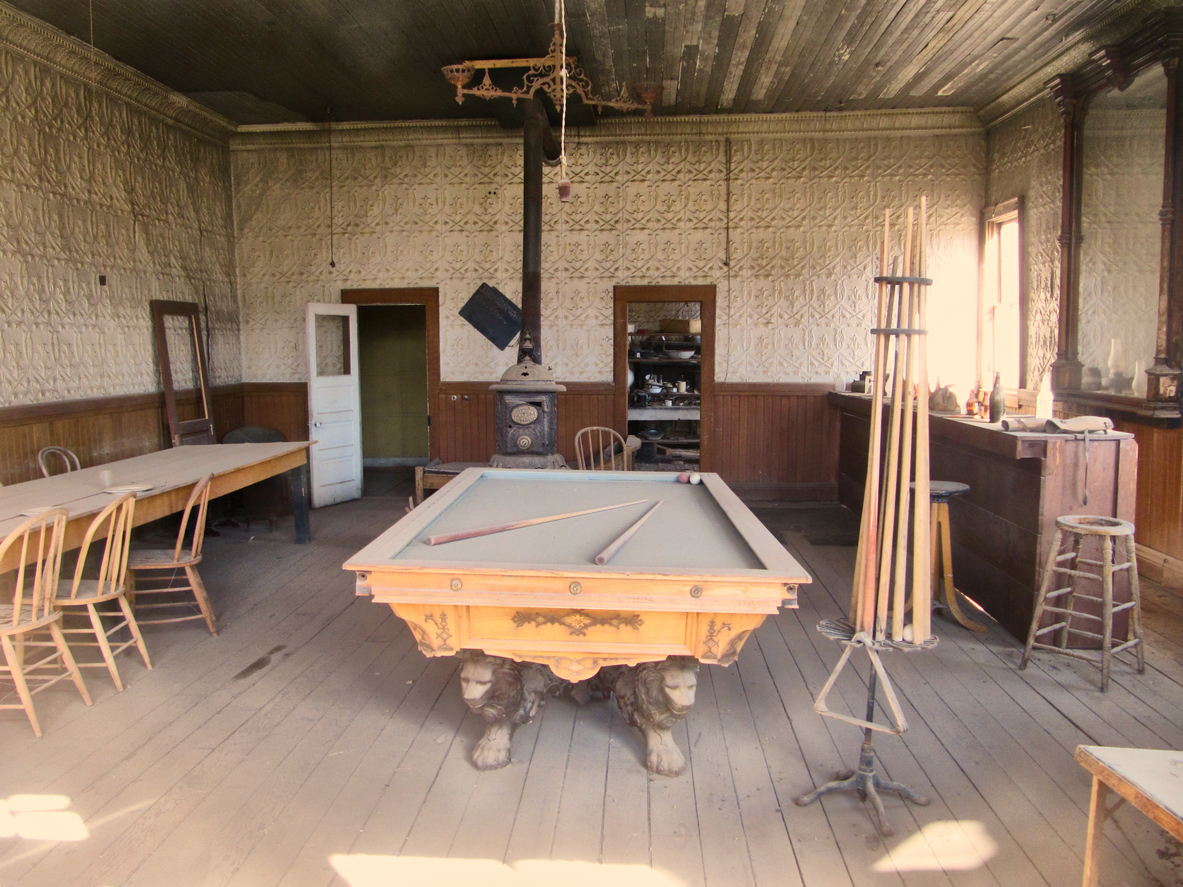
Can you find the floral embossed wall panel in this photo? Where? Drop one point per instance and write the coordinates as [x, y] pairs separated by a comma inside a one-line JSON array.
[[1120, 203], [92, 184], [429, 206], [1025, 160]]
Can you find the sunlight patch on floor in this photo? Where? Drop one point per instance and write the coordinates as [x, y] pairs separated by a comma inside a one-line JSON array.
[[364, 870], [946, 845], [40, 818]]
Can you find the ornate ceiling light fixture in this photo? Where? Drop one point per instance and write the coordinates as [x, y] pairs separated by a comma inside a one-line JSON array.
[[548, 74]]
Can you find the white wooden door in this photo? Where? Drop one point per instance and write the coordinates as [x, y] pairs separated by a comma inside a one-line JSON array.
[[334, 404]]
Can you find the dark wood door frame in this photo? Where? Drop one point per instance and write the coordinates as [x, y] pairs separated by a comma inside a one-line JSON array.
[[429, 298], [704, 294], [192, 431]]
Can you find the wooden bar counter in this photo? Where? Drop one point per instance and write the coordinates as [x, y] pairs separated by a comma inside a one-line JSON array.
[[1020, 483]]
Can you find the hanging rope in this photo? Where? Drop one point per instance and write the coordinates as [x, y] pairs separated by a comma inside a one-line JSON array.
[[561, 14], [332, 248]]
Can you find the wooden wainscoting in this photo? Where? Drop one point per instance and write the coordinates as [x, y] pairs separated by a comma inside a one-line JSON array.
[[774, 441], [102, 429], [462, 422], [777, 440], [279, 405]]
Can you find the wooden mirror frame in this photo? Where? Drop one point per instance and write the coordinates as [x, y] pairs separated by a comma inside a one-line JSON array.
[[1158, 41], [193, 431]]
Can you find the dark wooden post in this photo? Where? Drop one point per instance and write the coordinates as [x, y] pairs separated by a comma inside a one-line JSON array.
[[1066, 369]]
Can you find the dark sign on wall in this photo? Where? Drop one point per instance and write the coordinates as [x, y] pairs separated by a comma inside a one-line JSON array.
[[493, 315]]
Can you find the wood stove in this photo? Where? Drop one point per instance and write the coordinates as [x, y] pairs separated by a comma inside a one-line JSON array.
[[527, 414]]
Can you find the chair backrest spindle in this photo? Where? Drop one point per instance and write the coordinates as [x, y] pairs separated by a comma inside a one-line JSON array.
[[196, 507], [115, 522], [596, 449], [67, 456], [49, 528]]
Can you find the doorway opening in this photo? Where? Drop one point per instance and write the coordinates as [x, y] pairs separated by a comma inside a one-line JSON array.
[[399, 365], [664, 350], [392, 359]]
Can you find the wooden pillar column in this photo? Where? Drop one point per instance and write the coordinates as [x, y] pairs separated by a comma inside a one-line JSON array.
[[1073, 104], [1163, 376]]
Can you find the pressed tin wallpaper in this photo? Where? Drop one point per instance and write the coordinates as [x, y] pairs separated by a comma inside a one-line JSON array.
[[126, 179], [1025, 161], [122, 179], [1119, 258], [440, 205]]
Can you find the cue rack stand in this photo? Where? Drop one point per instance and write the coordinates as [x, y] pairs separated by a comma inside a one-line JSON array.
[[893, 566]]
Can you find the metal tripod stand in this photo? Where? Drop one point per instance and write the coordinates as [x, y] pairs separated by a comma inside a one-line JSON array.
[[865, 780]]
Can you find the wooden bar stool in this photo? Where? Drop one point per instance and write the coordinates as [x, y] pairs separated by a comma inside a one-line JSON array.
[[940, 492], [1069, 563]]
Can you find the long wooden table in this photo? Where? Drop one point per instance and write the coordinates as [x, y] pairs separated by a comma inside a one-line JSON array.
[[171, 474]]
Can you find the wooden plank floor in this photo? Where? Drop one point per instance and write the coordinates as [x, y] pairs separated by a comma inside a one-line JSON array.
[[310, 743]]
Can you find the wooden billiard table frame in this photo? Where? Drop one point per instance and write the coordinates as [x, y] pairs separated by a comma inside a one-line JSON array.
[[578, 618]]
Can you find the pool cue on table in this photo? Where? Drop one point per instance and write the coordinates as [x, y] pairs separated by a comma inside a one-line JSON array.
[[441, 538], [606, 555]]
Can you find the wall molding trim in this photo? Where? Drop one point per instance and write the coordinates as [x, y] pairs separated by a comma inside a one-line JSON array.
[[42, 43], [919, 123], [22, 414]]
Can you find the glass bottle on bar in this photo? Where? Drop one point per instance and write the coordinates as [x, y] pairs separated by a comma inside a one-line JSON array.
[[997, 400]]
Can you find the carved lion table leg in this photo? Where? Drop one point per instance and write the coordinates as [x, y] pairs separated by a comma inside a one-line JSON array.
[[505, 694], [653, 697]]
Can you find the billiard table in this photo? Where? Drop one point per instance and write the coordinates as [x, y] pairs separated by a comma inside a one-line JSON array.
[[694, 580]]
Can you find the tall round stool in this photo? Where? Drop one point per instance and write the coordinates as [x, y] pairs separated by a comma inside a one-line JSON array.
[[940, 492], [1113, 533]]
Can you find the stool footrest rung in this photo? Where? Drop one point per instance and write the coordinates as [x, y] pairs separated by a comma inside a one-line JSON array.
[[1076, 613], [1093, 563], [1081, 574], [1057, 592], [1091, 656], [1062, 625]]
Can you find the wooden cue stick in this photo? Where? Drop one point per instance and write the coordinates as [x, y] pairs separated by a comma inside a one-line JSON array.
[[921, 532], [887, 494], [606, 555], [864, 591], [516, 525], [891, 489], [899, 586]]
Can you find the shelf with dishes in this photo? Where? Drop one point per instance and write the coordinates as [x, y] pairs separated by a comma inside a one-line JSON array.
[[663, 413], [667, 370]]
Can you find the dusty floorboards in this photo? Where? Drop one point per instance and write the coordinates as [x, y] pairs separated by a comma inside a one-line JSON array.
[[310, 743]]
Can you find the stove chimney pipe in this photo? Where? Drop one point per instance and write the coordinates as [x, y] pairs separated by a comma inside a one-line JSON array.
[[538, 147]]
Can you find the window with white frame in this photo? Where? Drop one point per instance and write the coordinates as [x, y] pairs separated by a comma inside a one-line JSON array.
[[1000, 327]]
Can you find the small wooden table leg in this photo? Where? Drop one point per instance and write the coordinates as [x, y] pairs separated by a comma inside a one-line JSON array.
[[1092, 850], [298, 478], [418, 484]]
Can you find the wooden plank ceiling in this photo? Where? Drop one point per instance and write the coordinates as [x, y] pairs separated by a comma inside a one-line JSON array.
[[261, 61]]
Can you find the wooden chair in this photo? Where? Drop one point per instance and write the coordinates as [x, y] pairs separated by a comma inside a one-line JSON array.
[[83, 596], [68, 459], [157, 571], [23, 623], [601, 449]]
